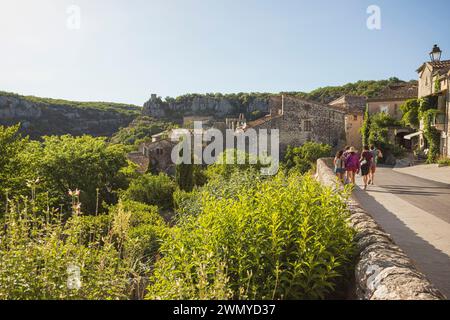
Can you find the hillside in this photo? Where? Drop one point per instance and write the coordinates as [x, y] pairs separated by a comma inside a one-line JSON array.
[[251, 104], [45, 116]]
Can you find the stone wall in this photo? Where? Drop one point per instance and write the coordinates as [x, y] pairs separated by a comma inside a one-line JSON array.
[[383, 271], [325, 124]]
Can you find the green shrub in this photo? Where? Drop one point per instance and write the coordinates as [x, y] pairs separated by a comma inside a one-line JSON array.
[[302, 159], [444, 162], [153, 190], [37, 255], [286, 239]]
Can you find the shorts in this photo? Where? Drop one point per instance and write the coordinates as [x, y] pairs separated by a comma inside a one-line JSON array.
[[339, 170], [365, 169]]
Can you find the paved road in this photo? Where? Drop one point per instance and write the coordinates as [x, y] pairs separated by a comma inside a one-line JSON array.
[[431, 196], [416, 213]]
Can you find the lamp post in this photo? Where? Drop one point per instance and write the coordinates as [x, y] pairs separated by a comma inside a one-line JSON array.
[[435, 54]]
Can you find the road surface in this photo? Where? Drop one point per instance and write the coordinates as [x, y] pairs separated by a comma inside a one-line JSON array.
[[416, 212]]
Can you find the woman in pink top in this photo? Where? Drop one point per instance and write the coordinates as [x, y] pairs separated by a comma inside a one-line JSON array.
[[352, 164]]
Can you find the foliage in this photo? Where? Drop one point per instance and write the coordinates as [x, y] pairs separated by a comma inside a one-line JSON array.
[[113, 252], [86, 163], [184, 176], [432, 135], [100, 106], [302, 159], [153, 190], [379, 133], [37, 255], [286, 238], [360, 88], [410, 110], [365, 129], [425, 110], [140, 129], [13, 173], [231, 160], [444, 162]]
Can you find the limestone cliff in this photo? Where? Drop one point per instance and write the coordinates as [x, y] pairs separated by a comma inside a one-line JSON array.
[[218, 105], [40, 116]]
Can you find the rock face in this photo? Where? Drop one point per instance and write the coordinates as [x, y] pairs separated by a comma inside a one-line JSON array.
[[40, 118], [383, 271], [201, 105]]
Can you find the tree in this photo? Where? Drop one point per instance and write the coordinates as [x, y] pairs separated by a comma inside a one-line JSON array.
[[303, 159], [85, 163], [184, 176], [365, 129], [153, 190], [410, 110]]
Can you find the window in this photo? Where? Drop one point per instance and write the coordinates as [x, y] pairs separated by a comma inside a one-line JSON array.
[[355, 117], [307, 125]]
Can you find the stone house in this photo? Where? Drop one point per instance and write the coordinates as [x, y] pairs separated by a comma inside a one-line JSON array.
[[391, 98], [299, 121], [434, 77], [154, 156], [354, 107]]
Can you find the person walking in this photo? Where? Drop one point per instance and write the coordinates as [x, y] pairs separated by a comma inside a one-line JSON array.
[[345, 155], [366, 164], [376, 154], [352, 164], [339, 165]]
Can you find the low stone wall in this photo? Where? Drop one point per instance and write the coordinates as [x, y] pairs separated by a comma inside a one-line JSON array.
[[383, 271]]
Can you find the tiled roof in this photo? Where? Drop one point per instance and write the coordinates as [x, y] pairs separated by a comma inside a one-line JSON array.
[[441, 66], [397, 91], [139, 159], [260, 121]]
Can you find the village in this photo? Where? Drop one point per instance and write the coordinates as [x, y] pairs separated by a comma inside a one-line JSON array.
[[410, 198]]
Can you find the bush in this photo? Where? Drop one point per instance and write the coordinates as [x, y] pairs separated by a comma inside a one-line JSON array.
[[302, 159], [37, 257], [444, 162], [286, 239], [153, 190]]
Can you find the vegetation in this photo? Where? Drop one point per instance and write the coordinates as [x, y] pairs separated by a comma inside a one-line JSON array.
[[43, 257], [153, 190], [444, 162], [140, 130], [360, 88], [77, 222], [283, 238], [128, 109], [375, 130], [424, 110], [302, 159]]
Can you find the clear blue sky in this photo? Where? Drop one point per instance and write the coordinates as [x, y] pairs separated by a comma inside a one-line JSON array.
[[126, 50]]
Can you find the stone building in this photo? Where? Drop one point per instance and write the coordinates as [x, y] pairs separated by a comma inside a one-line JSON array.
[[354, 107], [391, 98], [299, 121], [434, 78], [154, 156]]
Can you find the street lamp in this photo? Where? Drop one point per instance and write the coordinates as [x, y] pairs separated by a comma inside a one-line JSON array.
[[435, 54]]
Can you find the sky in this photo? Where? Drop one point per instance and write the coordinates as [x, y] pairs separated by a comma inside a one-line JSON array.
[[122, 51]]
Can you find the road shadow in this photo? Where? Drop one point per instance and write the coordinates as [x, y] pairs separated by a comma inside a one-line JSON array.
[[434, 263]]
